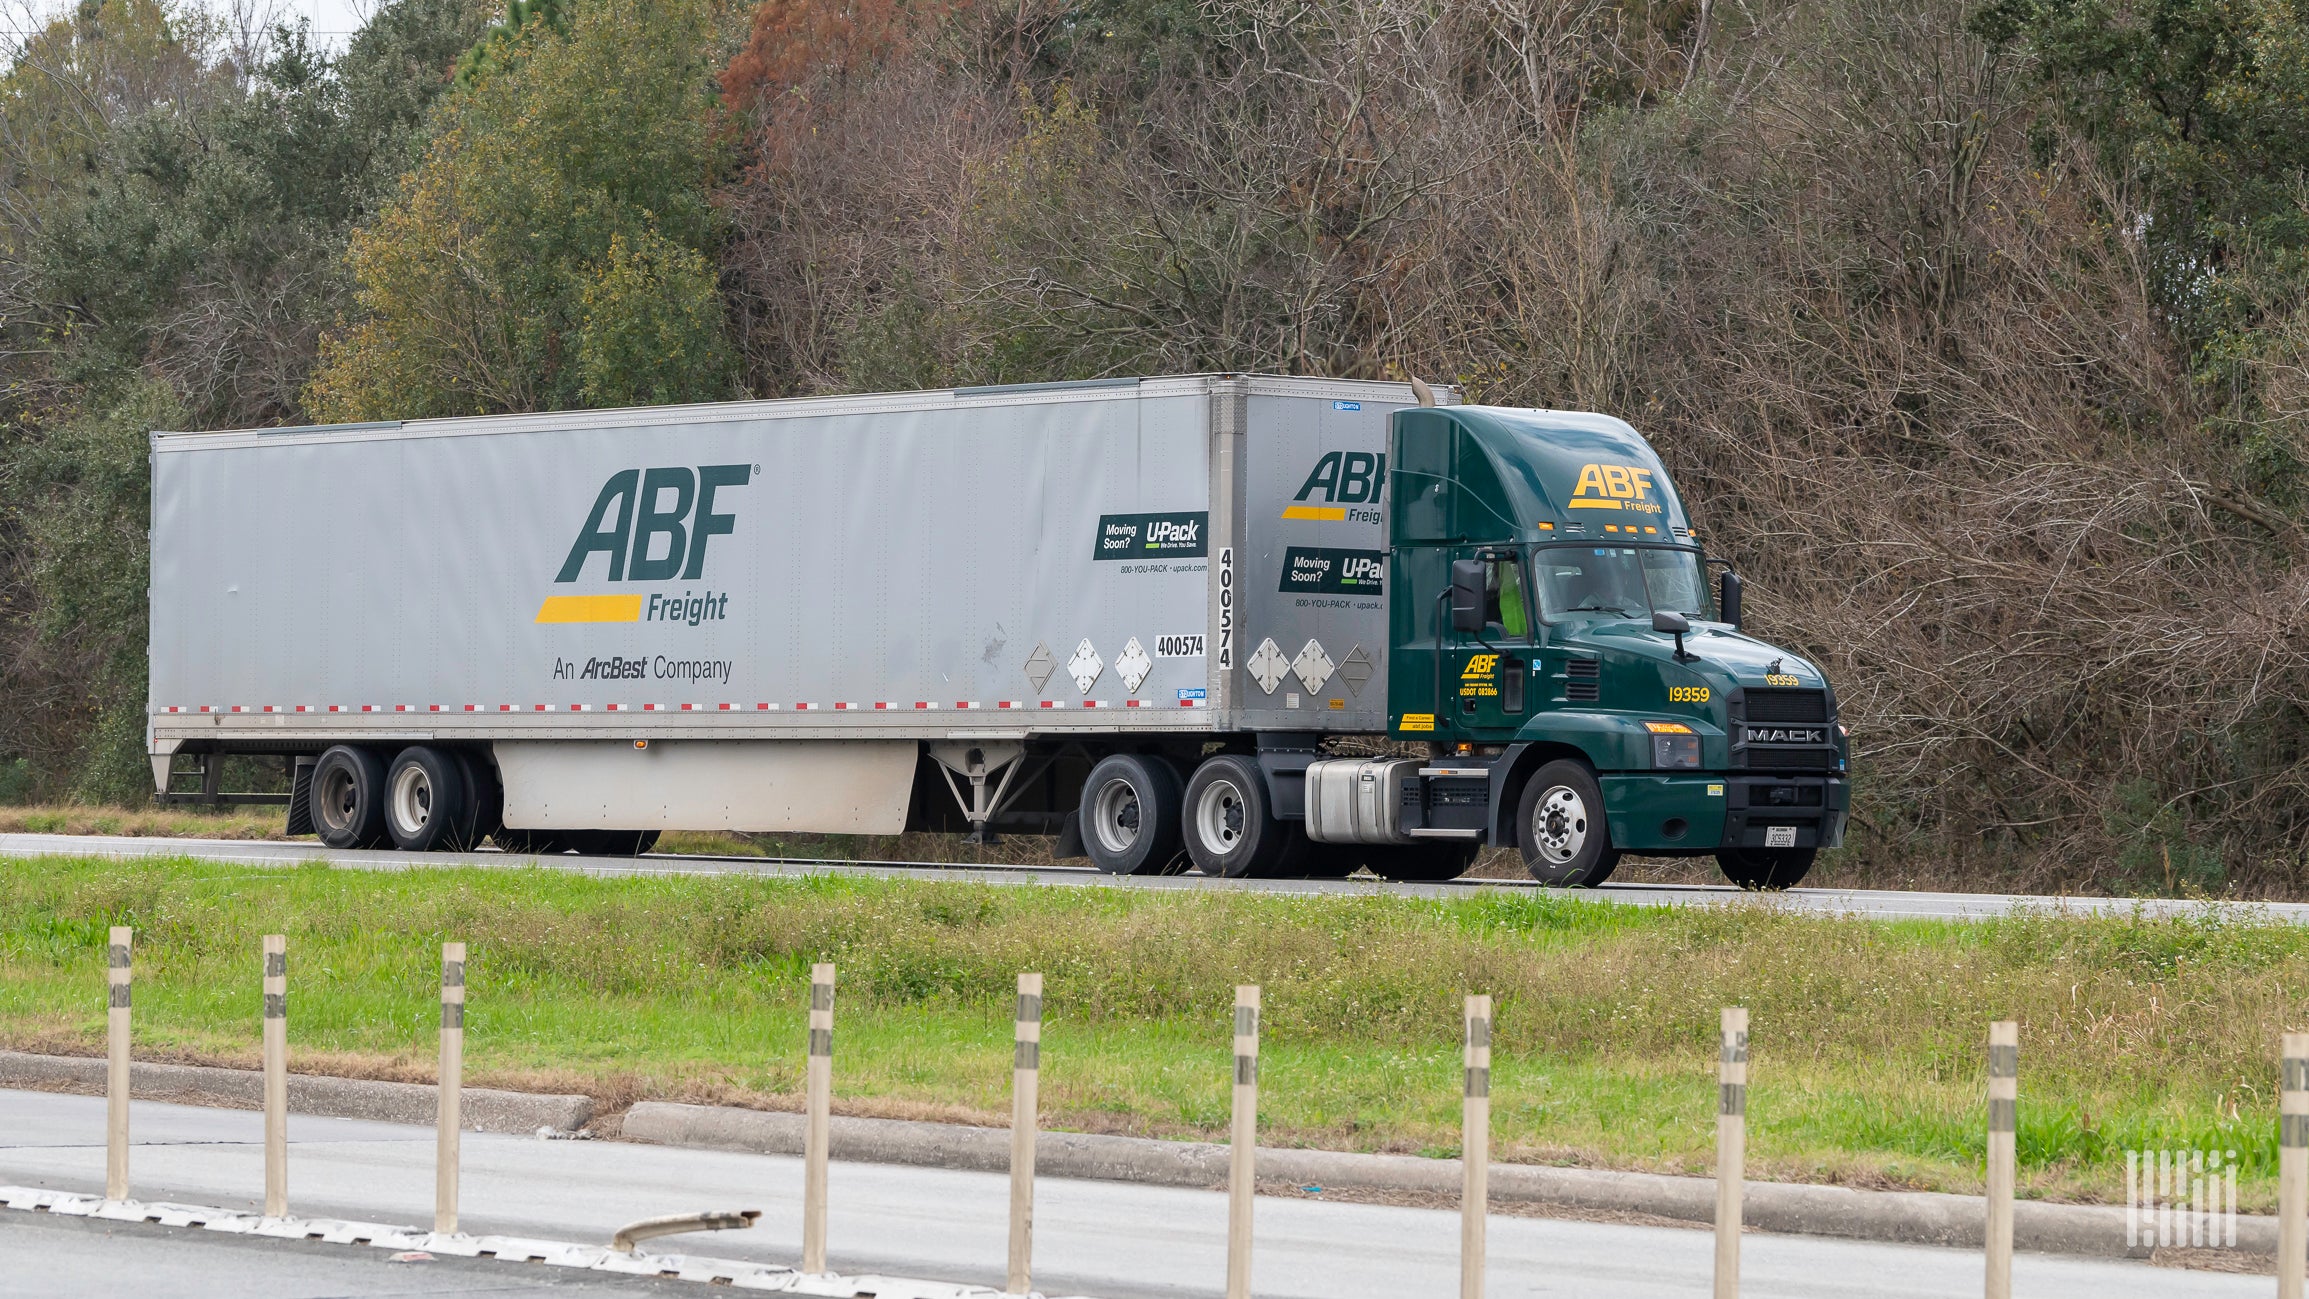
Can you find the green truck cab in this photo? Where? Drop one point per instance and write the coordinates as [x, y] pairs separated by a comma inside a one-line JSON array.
[[1583, 689]]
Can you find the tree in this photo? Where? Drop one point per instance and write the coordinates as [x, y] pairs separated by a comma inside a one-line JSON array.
[[573, 169]]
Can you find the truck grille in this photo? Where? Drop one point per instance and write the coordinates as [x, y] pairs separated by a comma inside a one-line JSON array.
[[1792, 759], [1772, 705], [1582, 680]]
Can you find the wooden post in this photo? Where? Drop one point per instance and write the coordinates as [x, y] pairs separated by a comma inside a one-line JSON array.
[[820, 1132], [449, 1111], [1475, 1148], [116, 1066], [1243, 1143], [2003, 1115], [1025, 1101], [2292, 1165], [276, 1028], [1731, 1147]]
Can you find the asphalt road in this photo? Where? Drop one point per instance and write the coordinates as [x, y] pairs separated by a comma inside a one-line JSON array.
[[1109, 1240], [1878, 903]]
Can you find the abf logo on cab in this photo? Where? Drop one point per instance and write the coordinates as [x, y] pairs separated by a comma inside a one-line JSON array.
[[1613, 487]]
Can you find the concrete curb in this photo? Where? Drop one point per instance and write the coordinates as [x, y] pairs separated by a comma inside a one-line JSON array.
[[485, 1110], [1904, 1217]]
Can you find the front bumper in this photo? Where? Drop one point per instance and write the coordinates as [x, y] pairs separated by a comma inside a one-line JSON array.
[[1702, 812]]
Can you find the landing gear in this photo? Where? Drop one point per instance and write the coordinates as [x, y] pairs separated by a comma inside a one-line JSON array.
[[1766, 869], [1560, 825]]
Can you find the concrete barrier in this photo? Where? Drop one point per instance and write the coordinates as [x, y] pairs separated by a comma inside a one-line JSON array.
[[485, 1110], [1908, 1217]]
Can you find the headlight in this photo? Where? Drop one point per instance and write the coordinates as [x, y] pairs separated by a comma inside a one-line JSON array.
[[1674, 746]]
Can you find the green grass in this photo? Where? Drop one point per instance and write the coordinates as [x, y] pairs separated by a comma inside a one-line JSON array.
[[1868, 1035]]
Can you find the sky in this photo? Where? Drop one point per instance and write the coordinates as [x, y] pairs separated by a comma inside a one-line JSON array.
[[334, 21]]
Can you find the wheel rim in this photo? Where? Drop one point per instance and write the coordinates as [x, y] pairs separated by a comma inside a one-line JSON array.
[[1220, 813], [1114, 816], [412, 799], [338, 799], [1559, 825]]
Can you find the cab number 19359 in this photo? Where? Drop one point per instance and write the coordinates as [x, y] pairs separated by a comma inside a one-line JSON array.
[[1687, 694]]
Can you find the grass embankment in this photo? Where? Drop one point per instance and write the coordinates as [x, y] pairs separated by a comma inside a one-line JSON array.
[[1867, 1035]]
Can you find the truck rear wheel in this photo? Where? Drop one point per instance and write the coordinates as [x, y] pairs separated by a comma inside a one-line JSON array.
[[484, 801], [1560, 826], [1231, 829], [347, 798], [1130, 815], [425, 800], [1766, 868]]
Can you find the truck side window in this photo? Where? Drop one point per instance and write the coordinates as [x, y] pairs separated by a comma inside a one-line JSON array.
[[1503, 592]]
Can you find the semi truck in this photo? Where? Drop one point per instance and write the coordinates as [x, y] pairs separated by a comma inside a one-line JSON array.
[[1245, 624]]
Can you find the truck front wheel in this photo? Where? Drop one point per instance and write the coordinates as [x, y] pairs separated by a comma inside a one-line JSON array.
[[1766, 868], [1130, 815], [1560, 826]]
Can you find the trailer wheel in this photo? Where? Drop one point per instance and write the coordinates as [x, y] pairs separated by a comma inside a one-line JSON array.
[[1421, 863], [347, 798], [425, 799], [1560, 826], [484, 801], [1766, 868], [1230, 827], [1130, 815]]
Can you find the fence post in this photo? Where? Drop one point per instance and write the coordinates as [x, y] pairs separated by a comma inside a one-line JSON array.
[[276, 1028], [1243, 1143], [1475, 1148], [2292, 1165], [1025, 1089], [820, 1131], [2003, 1113], [1731, 1147], [116, 1065], [449, 1110]]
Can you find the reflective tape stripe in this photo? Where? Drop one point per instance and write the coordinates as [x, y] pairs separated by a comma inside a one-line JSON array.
[[1735, 1049], [821, 1042], [2295, 1073], [1028, 1055], [821, 996], [1732, 1100], [119, 997], [276, 965], [452, 974], [1029, 1007], [2003, 1060], [1246, 1022], [2003, 1114], [452, 1014], [118, 959], [1246, 1070], [276, 1005], [2293, 1131], [1479, 1082]]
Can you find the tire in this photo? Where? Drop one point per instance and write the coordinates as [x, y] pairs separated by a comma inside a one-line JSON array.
[[347, 798], [1766, 869], [1230, 826], [1130, 815], [484, 801], [425, 800], [1421, 863], [1561, 828]]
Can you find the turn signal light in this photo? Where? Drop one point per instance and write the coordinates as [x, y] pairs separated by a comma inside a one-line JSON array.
[[1667, 728]]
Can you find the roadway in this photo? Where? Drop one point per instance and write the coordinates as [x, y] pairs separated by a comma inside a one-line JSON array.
[[1882, 904], [1111, 1240]]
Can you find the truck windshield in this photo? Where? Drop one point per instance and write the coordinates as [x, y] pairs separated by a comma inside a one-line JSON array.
[[1620, 582]]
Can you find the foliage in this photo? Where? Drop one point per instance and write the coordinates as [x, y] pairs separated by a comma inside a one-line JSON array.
[[473, 285]]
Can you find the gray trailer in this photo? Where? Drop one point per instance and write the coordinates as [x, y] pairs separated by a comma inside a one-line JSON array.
[[981, 609]]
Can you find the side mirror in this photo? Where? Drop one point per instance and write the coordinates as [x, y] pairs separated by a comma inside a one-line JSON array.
[[1676, 624], [1728, 598], [1467, 595]]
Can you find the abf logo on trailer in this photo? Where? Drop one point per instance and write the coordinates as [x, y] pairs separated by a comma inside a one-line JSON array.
[[1342, 479], [650, 526]]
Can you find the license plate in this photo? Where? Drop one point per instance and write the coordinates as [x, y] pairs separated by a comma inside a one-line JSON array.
[[1779, 836]]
